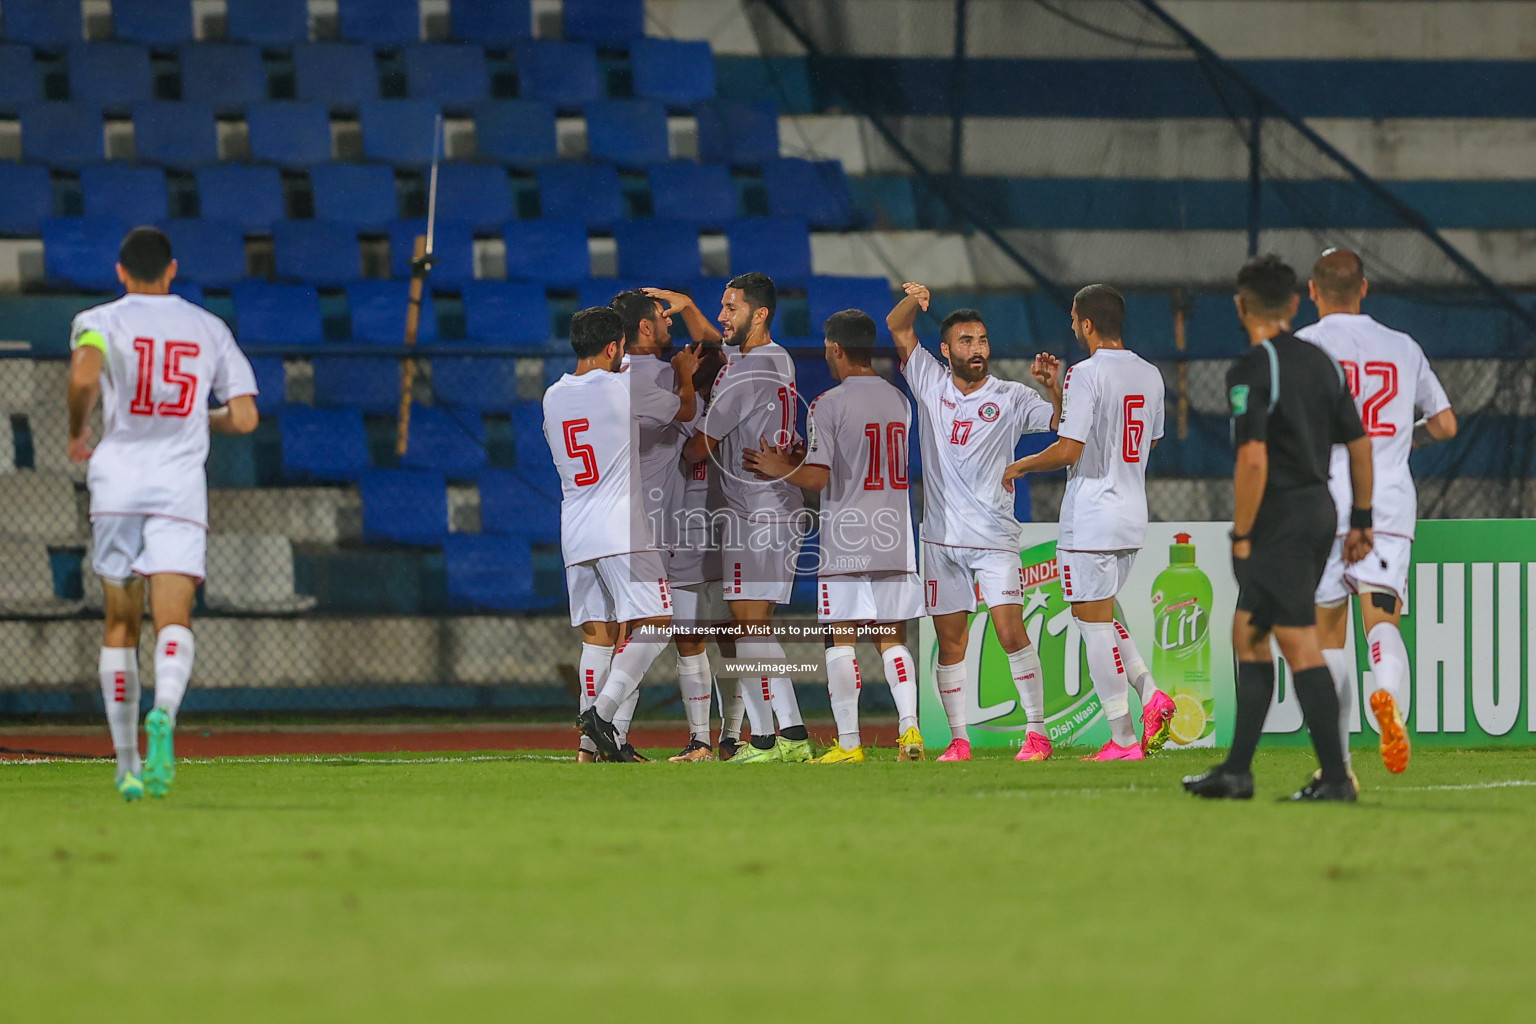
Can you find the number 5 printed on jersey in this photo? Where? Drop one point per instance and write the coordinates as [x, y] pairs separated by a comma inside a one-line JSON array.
[[578, 450], [143, 403]]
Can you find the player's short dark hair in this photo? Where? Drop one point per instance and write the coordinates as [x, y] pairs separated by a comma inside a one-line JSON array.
[[759, 291], [854, 331], [593, 330], [1267, 283], [1338, 275], [145, 254], [964, 315], [634, 306], [1104, 307]]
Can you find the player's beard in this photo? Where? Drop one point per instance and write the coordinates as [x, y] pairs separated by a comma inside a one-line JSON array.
[[734, 334], [969, 373]]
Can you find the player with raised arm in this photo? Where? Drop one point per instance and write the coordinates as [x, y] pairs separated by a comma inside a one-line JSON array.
[[753, 398], [1389, 377], [613, 572], [152, 358], [856, 453], [1111, 417], [969, 425]]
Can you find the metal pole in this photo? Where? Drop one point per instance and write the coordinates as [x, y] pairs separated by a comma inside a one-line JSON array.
[[957, 96], [1255, 177]]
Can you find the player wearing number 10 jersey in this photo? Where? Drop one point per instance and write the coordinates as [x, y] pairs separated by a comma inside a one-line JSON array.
[[154, 358]]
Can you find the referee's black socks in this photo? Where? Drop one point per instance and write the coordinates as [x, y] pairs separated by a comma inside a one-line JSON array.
[[1255, 689], [1320, 708]]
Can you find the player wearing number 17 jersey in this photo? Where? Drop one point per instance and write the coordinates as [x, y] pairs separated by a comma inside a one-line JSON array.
[[1111, 418], [1389, 377], [154, 358]]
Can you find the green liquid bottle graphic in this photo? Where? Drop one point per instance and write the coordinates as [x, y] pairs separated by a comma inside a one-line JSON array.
[[1181, 645]]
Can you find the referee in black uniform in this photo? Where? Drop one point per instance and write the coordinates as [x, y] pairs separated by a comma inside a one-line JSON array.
[[1290, 405]]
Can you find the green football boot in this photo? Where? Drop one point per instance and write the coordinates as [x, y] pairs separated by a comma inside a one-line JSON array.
[[131, 787], [795, 750], [160, 761], [748, 754]]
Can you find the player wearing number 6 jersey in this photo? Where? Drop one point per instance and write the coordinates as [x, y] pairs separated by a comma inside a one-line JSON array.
[[969, 424], [153, 358], [1389, 377], [1111, 418]]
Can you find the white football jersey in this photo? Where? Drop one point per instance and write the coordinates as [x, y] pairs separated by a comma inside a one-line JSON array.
[[163, 358], [754, 399], [592, 431], [1390, 377], [858, 430], [1113, 403], [967, 442], [653, 385]]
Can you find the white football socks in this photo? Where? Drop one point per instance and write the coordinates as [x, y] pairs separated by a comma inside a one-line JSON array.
[[901, 674], [1338, 668], [623, 717], [630, 661], [693, 682], [756, 692], [1107, 669], [174, 650], [951, 682], [118, 668], [781, 692], [1389, 663], [732, 708], [1029, 678], [592, 673], [843, 685], [1135, 668]]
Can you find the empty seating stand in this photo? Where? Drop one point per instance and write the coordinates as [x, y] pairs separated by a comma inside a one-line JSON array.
[[252, 574], [491, 573], [405, 506]]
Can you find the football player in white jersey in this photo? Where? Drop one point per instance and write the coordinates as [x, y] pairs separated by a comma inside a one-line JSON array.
[[1111, 417], [613, 573], [1390, 377], [856, 453], [969, 424], [762, 528], [153, 358], [648, 350]]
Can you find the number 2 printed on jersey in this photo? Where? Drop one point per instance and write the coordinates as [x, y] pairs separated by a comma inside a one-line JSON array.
[[1371, 408]]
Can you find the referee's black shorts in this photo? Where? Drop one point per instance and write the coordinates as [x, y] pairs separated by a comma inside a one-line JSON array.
[[1292, 536]]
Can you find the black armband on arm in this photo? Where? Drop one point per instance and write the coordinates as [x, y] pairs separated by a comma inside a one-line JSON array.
[[1359, 519]]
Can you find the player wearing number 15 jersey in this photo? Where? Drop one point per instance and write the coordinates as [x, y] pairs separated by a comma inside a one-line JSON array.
[[1390, 378], [1111, 418], [154, 358]]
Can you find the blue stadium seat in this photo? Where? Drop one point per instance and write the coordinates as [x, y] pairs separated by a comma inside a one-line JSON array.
[[1149, 325], [493, 23], [28, 193], [82, 251], [453, 74], [554, 251], [509, 505], [453, 245], [62, 134], [322, 444], [485, 384], [362, 195], [828, 295], [277, 314], [528, 438], [316, 252], [737, 132], [210, 252], [657, 250], [41, 22], [189, 290], [156, 22], [408, 506], [589, 193], [446, 439], [632, 133], [114, 75], [290, 134], [491, 573], [477, 194], [700, 193], [512, 313], [563, 73], [268, 22], [179, 134], [229, 76], [271, 384], [516, 132], [677, 72], [777, 246], [125, 192], [1008, 324], [379, 308], [18, 77], [336, 74], [251, 196], [371, 386], [612, 23], [380, 22], [599, 291], [399, 131], [815, 190]]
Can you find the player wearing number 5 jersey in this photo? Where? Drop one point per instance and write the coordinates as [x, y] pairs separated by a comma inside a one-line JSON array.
[[154, 359], [1390, 378], [1111, 419], [969, 424]]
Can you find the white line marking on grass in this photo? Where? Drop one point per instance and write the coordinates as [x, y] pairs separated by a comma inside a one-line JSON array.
[[356, 759], [1502, 784]]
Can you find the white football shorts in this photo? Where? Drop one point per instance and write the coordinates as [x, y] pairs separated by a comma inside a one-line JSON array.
[[698, 604], [1093, 575], [619, 588], [869, 597], [951, 577], [1385, 568], [127, 546], [757, 561]]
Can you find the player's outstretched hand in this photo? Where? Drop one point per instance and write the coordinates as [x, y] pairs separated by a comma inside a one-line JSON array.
[[1012, 473], [918, 292], [1358, 544], [1046, 369], [686, 362], [675, 302], [79, 448]]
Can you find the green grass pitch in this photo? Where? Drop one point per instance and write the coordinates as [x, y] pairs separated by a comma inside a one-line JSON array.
[[528, 888]]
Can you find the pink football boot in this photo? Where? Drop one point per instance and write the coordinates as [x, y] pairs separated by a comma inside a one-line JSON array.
[[1155, 716], [1036, 748], [1113, 751], [958, 750]]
